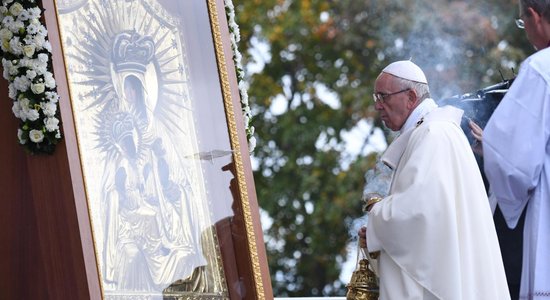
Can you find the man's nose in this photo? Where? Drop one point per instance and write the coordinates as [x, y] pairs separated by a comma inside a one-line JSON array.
[[378, 105]]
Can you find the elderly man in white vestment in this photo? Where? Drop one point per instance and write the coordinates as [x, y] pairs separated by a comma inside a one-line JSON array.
[[516, 150], [434, 231]]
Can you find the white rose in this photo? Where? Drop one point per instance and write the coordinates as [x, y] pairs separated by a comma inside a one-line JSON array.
[[7, 1], [38, 88], [20, 137], [36, 136], [52, 124], [5, 34], [3, 10], [16, 9], [28, 50]]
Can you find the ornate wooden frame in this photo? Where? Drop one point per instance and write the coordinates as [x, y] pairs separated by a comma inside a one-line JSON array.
[[47, 220]]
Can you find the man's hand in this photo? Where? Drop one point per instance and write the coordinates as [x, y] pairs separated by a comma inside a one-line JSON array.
[[477, 133]]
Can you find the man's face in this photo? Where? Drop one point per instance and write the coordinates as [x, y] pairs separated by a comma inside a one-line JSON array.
[[395, 109], [531, 29]]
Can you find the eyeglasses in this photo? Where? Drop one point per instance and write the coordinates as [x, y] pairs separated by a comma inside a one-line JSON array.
[[519, 22], [381, 97]]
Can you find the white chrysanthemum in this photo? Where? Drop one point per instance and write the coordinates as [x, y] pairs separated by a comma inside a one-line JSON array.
[[24, 15], [36, 136], [52, 96], [34, 12], [52, 124], [42, 31], [32, 28], [7, 21]]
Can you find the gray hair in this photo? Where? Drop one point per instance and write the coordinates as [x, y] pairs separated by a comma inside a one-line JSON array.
[[540, 6], [422, 89]]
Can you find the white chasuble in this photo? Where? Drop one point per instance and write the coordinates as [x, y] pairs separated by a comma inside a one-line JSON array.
[[435, 230]]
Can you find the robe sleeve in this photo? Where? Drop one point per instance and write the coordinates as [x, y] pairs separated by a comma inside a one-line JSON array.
[[515, 140]]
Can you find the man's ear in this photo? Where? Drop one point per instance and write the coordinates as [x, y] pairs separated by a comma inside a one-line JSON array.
[[533, 14], [413, 98]]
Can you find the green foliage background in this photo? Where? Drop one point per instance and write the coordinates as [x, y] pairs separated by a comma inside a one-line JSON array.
[[342, 45]]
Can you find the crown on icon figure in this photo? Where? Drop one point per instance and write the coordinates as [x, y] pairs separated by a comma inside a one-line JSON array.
[[132, 51]]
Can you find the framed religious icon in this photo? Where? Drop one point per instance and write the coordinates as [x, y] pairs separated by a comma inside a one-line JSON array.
[[162, 147]]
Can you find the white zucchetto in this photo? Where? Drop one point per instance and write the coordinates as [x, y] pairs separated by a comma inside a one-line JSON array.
[[406, 69]]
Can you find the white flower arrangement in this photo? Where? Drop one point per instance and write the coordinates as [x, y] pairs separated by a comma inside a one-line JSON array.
[[26, 60], [235, 36]]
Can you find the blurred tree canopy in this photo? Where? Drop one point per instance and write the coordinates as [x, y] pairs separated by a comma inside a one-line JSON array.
[[312, 66]]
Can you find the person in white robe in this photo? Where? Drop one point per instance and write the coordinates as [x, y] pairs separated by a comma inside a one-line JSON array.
[[434, 230], [516, 150]]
